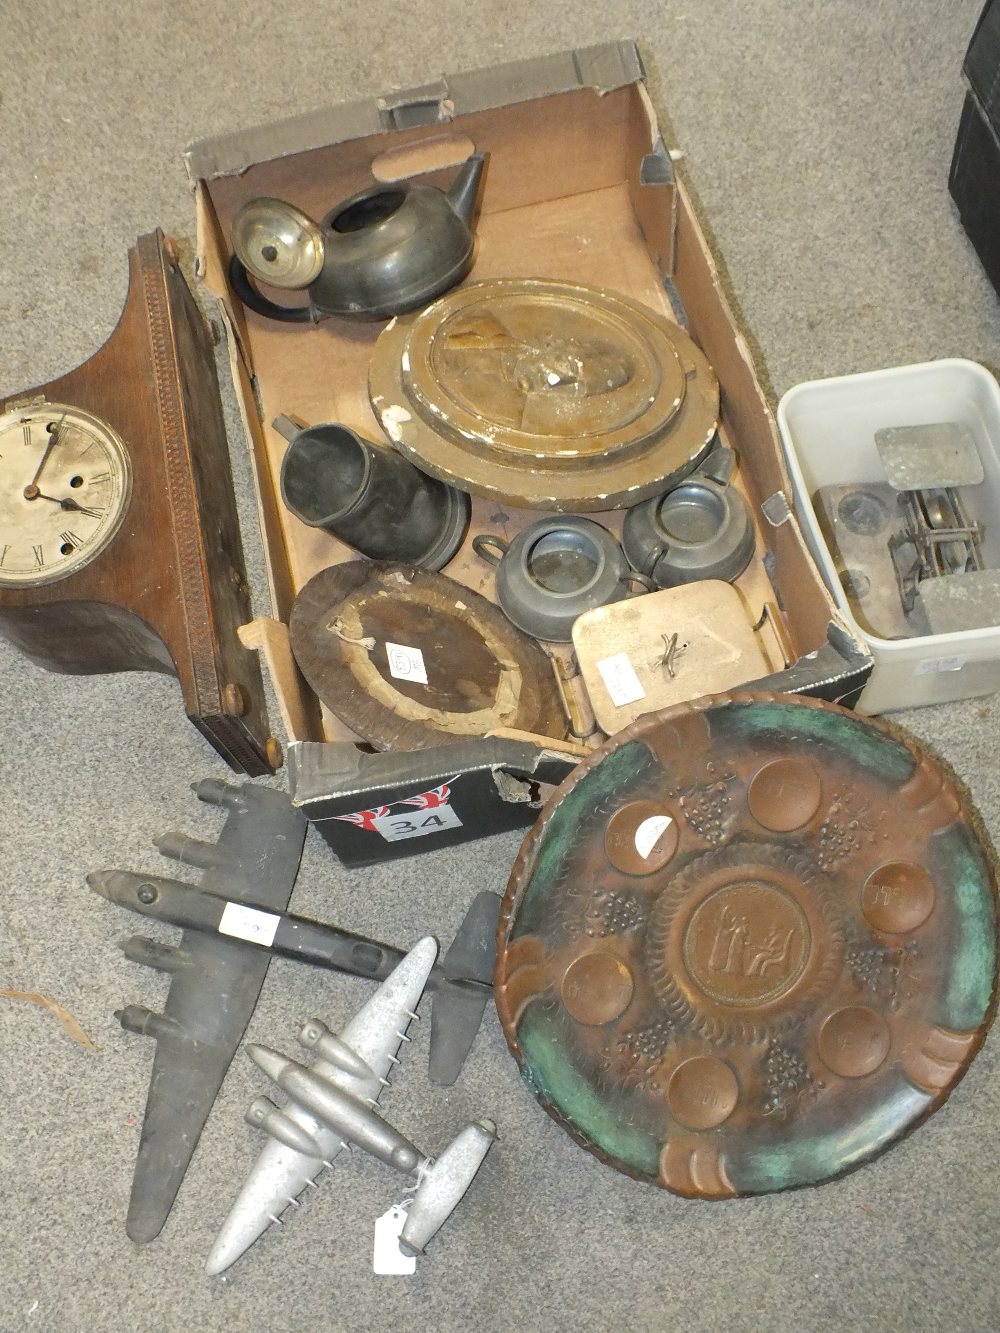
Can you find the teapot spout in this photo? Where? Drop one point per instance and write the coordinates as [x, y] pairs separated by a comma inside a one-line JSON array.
[[464, 191]]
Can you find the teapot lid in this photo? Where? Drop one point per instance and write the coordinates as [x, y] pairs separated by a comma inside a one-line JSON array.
[[278, 243]]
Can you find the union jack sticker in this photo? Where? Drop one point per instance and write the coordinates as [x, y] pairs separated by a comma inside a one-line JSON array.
[[430, 800], [365, 818], [432, 812]]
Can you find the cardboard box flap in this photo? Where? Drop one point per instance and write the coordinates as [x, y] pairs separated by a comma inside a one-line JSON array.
[[836, 671], [318, 770], [601, 68]]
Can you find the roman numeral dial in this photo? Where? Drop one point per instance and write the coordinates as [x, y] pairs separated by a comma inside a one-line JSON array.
[[65, 485]]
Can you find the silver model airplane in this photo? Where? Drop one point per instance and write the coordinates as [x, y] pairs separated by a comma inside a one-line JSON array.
[[332, 1106]]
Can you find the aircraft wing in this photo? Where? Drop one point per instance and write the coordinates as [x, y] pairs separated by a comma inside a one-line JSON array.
[[281, 1173], [195, 1045], [377, 1029], [214, 986]]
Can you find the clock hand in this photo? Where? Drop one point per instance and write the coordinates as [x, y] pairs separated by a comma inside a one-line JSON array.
[[31, 491], [68, 503]]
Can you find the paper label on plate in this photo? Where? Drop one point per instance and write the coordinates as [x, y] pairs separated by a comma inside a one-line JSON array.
[[647, 835], [406, 663], [620, 680], [934, 664], [246, 923], [389, 1260]]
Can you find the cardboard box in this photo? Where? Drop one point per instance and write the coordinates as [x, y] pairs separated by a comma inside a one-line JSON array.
[[579, 187]]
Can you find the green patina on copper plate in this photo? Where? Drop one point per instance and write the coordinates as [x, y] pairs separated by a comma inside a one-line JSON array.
[[750, 943]]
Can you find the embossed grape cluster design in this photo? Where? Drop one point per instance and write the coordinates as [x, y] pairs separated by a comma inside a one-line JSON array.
[[621, 913], [646, 1048], [707, 808], [880, 970], [845, 831], [786, 1078]]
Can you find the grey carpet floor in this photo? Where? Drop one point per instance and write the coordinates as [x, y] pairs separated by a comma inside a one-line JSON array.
[[817, 137]]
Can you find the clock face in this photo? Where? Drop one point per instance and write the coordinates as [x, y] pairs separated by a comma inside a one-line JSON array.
[[65, 483]]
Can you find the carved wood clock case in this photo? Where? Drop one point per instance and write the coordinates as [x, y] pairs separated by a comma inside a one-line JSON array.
[[119, 539]]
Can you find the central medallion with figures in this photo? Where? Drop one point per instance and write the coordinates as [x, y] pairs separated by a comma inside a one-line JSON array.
[[746, 943]]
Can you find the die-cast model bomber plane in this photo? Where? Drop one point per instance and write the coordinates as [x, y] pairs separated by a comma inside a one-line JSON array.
[[332, 1106]]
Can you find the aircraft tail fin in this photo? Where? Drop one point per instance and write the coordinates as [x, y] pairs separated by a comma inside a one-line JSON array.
[[444, 1183]]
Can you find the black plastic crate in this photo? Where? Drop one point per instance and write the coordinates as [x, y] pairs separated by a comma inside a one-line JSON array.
[[975, 185]]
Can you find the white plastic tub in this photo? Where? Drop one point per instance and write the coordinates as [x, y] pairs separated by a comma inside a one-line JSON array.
[[828, 433]]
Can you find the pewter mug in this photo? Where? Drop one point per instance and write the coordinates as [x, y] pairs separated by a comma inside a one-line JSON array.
[[370, 497]]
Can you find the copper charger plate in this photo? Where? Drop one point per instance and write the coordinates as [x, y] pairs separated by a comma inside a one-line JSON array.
[[750, 943], [355, 628]]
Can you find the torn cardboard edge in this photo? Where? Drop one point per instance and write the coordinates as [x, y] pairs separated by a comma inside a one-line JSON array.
[[375, 807]]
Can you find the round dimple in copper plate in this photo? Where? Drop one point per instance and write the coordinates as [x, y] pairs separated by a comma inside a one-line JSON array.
[[897, 897], [703, 1092], [596, 988], [641, 838], [785, 794], [854, 1041]]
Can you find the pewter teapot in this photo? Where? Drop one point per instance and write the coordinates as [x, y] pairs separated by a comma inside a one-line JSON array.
[[389, 249]]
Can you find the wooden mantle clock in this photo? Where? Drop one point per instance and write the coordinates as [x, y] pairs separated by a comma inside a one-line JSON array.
[[119, 540]]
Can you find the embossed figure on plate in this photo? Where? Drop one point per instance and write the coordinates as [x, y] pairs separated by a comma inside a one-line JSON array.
[[746, 943], [546, 394]]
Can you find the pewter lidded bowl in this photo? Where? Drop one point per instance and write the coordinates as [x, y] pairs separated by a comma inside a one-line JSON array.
[[555, 570]]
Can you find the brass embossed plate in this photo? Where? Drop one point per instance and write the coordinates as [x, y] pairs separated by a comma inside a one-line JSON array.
[[545, 394], [750, 943], [409, 659]]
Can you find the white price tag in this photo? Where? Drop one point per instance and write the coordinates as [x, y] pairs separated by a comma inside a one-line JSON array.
[[620, 680], [416, 823], [406, 663], [246, 923], [647, 835], [389, 1259], [932, 665]]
